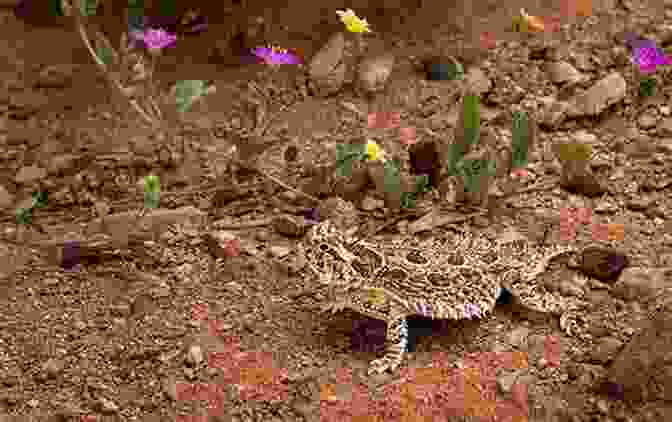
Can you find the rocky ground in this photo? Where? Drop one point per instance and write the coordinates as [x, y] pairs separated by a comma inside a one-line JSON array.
[[162, 321]]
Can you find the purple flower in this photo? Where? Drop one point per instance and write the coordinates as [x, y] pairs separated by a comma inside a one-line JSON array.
[[312, 215], [71, 255], [472, 311], [648, 55], [273, 55], [154, 39]]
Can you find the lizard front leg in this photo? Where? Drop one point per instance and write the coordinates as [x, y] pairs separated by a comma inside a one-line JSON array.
[[395, 345]]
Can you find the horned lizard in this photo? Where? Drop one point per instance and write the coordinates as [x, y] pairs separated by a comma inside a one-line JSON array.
[[455, 278]]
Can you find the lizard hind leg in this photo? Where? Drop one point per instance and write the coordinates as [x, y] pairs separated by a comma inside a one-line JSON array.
[[395, 346]]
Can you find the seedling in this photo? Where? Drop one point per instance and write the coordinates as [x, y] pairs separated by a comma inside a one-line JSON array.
[[152, 191], [472, 172], [25, 215]]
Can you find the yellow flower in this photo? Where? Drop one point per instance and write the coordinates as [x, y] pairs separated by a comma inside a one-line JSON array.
[[352, 22], [374, 152]]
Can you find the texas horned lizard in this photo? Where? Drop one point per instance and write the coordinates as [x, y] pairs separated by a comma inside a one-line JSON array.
[[455, 278]]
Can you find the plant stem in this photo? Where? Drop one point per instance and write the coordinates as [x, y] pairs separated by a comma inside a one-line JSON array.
[[85, 38]]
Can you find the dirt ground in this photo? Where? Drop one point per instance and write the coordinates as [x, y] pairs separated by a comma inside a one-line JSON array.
[[145, 315]]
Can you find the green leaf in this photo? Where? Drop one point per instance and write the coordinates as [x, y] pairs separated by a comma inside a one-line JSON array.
[[520, 139], [152, 183], [422, 184], [168, 8], [88, 7], [346, 155], [187, 92], [105, 54], [152, 199], [392, 176], [408, 200], [24, 216], [39, 200], [473, 170], [647, 87]]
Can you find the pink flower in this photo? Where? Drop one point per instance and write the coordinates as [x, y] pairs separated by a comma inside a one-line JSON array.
[[407, 135], [487, 40], [584, 215], [383, 120], [199, 311], [516, 173]]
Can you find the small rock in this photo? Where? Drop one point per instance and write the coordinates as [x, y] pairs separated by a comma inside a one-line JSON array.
[[606, 349], [643, 370], [477, 82], [665, 127], [24, 104], [562, 72], [195, 355], [56, 76], [605, 264], [424, 158], [53, 367], [647, 121], [374, 72], [107, 406], [6, 198], [61, 162], [609, 90], [369, 203], [327, 69], [578, 178], [30, 174], [506, 381], [290, 226], [278, 251]]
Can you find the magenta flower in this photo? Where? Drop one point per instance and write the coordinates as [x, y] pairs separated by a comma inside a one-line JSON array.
[[154, 39], [274, 55], [648, 56]]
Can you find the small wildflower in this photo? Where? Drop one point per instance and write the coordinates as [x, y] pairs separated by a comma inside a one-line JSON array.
[[518, 173], [352, 22], [199, 311], [487, 40], [648, 56], [374, 152], [232, 248], [600, 232], [407, 135], [383, 120], [276, 56], [155, 39], [472, 311], [584, 215]]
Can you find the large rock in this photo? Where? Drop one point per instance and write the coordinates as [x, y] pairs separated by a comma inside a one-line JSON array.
[[643, 369]]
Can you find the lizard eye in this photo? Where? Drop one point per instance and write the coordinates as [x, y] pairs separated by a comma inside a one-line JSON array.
[[324, 247]]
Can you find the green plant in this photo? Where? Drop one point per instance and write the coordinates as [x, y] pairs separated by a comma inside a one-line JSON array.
[[152, 191], [25, 215], [647, 87], [473, 170], [470, 123], [408, 199], [520, 140]]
